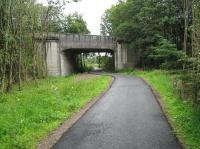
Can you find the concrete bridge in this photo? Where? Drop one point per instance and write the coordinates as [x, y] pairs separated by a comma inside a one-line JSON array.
[[62, 48]]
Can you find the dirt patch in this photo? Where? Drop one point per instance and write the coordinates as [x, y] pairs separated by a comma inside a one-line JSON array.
[[54, 136], [84, 76]]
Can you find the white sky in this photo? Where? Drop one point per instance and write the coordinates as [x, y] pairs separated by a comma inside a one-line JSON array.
[[91, 10]]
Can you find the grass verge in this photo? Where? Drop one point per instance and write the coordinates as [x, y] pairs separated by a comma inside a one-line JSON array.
[[29, 115], [183, 116]]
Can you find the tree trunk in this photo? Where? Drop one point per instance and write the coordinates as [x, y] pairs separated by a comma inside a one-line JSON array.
[[186, 11], [9, 86]]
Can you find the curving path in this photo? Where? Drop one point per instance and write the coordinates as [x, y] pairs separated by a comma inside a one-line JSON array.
[[127, 117]]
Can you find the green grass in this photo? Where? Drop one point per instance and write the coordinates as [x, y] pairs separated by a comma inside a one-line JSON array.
[[184, 117], [29, 115]]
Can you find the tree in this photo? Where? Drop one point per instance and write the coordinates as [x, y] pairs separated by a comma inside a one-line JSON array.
[[20, 22], [138, 22], [74, 23]]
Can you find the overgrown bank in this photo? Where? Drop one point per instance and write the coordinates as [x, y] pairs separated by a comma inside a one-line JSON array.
[[24, 29], [159, 35], [29, 115], [184, 117]]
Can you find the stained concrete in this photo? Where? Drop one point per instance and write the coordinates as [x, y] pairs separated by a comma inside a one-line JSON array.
[[127, 117], [60, 46]]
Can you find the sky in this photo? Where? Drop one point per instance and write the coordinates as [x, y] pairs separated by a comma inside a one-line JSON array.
[[91, 10]]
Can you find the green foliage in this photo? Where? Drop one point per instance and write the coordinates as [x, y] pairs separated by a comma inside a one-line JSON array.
[[126, 71], [29, 115], [72, 23], [191, 85], [86, 68], [75, 24], [101, 61], [24, 27], [107, 63], [165, 55], [21, 23], [139, 22], [184, 117]]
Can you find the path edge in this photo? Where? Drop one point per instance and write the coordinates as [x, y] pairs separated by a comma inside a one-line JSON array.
[[52, 138], [159, 100]]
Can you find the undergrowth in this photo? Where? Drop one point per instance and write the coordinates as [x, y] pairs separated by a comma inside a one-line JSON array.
[[185, 117], [29, 115]]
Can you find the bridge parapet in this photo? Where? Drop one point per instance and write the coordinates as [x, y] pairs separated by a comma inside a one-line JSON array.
[[77, 41]]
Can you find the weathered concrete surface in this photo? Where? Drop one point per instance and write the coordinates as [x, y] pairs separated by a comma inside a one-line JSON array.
[[127, 117], [60, 48], [53, 58], [86, 42]]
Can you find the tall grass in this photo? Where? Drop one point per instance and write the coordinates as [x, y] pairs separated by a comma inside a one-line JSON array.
[[27, 116], [184, 116]]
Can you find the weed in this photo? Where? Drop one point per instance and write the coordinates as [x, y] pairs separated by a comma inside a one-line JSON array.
[[29, 115]]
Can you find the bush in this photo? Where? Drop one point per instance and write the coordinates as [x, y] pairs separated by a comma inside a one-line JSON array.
[[107, 63], [165, 55], [126, 70]]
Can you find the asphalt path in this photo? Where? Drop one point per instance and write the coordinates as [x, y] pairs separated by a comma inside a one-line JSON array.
[[126, 117]]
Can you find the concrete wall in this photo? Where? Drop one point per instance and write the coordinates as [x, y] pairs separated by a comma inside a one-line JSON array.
[[67, 64], [53, 58], [59, 63], [121, 57], [133, 58]]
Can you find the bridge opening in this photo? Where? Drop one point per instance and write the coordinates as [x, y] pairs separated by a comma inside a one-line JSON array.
[[103, 61], [78, 61]]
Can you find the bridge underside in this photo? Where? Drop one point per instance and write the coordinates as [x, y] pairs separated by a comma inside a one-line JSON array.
[[89, 50], [69, 57]]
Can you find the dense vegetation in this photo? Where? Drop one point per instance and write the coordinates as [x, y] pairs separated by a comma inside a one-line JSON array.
[[147, 26], [22, 24], [101, 61], [163, 34], [181, 114], [29, 115]]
